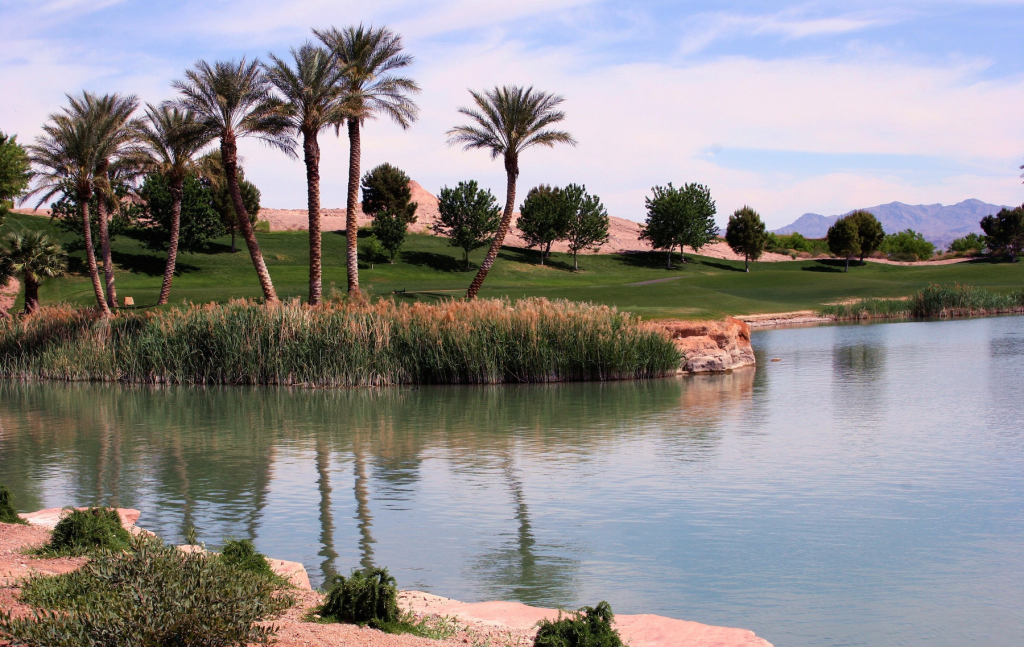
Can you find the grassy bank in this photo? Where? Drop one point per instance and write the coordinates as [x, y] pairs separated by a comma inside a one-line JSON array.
[[428, 270], [482, 342], [933, 301]]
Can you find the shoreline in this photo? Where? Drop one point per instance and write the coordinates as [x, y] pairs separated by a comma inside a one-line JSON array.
[[497, 623]]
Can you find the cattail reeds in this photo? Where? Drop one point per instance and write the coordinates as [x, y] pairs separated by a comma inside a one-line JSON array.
[[934, 301]]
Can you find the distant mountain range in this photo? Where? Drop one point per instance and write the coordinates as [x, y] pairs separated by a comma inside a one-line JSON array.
[[939, 224]]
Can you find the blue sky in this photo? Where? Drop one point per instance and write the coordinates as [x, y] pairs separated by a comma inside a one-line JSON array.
[[787, 107]]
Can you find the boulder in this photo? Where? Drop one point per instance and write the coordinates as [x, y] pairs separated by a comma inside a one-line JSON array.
[[712, 346]]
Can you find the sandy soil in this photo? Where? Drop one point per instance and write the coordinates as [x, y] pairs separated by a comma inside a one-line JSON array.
[[8, 295], [780, 319]]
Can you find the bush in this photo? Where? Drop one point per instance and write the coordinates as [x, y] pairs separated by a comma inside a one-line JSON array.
[[972, 242], [587, 627], [88, 531], [934, 301], [366, 597], [907, 245], [241, 554], [7, 512], [485, 341], [149, 596]]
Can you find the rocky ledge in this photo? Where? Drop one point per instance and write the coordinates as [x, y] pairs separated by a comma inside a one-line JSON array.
[[712, 346]]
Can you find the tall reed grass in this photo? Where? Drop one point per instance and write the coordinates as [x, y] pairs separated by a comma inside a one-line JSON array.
[[934, 301], [339, 344]]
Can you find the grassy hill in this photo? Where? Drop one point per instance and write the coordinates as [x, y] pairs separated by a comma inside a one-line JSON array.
[[428, 269]]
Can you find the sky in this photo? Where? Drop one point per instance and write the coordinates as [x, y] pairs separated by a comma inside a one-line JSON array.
[[786, 107]]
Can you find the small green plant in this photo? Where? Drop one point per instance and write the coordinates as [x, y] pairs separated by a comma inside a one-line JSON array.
[[7, 512], [587, 627], [87, 531], [241, 554], [366, 597], [151, 595]]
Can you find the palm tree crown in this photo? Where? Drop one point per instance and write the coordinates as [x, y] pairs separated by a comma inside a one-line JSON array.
[[35, 256], [367, 57], [171, 140], [509, 120], [310, 89], [234, 99]]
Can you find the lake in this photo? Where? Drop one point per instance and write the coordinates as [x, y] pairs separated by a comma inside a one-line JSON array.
[[866, 489]]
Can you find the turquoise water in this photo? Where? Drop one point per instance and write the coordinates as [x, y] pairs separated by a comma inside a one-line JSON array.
[[867, 489]]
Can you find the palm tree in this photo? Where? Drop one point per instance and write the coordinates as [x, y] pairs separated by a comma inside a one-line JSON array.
[[65, 160], [233, 99], [116, 134], [508, 121], [34, 255], [172, 139], [368, 57], [313, 102]]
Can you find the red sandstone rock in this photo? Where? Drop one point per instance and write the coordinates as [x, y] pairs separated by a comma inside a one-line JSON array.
[[712, 346]]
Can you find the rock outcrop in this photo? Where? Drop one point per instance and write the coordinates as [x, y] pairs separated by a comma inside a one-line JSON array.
[[712, 346]]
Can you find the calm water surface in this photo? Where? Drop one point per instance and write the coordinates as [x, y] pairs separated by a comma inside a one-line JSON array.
[[867, 489]]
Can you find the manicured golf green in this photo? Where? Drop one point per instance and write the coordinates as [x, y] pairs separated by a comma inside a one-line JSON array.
[[428, 269]]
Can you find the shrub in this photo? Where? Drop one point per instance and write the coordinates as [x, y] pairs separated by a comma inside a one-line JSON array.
[[339, 344], [907, 244], [150, 596], [366, 597], [587, 627], [934, 301], [972, 242], [7, 512], [241, 554], [88, 531]]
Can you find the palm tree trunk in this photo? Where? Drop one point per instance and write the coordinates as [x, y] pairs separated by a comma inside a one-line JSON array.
[[312, 152], [327, 551], [229, 153], [177, 189], [351, 224], [512, 169], [108, 261], [90, 251], [31, 294]]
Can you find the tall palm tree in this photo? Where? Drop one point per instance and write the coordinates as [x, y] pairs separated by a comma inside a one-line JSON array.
[[172, 139], [65, 160], [508, 121], [116, 134], [35, 256], [233, 99], [368, 57], [313, 102]]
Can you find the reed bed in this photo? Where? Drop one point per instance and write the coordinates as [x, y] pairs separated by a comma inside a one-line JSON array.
[[339, 344], [934, 301]]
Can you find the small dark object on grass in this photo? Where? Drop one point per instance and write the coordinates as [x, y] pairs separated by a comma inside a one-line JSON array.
[[86, 531], [587, 627], [366, 597], [150, 595], [7, 512]]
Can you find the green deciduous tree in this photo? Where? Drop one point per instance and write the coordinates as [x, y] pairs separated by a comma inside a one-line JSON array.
[[746, 235], [587, 222], [972, 242], [469, 216], [211, 171], [369, 58], [870, 232], [907, 245], [197, 220], [171, 141], [678, 217], [508, 121], [313, 102], [1004, 232], [543, 218], [15, 172], [233, 99], [387, 199], [34, 256], [844, 239]]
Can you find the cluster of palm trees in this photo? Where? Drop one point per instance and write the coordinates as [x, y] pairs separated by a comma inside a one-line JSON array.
[[349, 76]]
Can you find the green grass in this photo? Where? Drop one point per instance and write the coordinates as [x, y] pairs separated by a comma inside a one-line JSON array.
[[429, 270]]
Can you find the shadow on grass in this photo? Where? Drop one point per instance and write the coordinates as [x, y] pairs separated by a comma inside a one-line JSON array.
[[649, 260], [720, 266], [530, 257], [435, 261], [148, 264], [827, 265]]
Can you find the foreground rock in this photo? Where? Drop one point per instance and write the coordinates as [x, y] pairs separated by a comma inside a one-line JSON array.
[[712, 346], [643, 630]]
